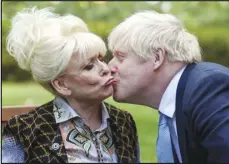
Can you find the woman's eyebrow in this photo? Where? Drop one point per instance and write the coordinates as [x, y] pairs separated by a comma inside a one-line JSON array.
[[96, 56], [93, 58]]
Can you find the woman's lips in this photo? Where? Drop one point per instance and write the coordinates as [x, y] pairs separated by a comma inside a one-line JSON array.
[[111, 81]]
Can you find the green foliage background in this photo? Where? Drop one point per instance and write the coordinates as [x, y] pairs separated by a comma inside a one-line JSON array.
[[209, 21]]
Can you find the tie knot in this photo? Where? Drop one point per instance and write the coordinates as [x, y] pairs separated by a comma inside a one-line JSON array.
[[163, 119]]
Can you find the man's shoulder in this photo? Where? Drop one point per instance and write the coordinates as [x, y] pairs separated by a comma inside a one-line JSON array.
[[204, 78], [208, 69], [204, 71]]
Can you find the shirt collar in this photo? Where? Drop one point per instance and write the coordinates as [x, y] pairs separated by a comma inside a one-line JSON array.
[[63, 111], [168, 102], [105, 116]]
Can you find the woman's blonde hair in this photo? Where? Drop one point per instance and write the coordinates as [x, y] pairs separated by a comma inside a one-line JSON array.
[[43, 42]]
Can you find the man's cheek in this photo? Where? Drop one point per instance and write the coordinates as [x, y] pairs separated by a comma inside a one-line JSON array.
[[123, 69]]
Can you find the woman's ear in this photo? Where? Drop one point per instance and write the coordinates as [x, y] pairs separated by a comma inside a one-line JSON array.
[[159, 58], [61, 87]]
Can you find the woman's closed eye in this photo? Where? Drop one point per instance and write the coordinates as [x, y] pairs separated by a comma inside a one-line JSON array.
[[94, 61], [89, 67]]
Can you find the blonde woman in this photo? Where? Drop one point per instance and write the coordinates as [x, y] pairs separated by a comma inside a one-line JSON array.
[[77, 126]]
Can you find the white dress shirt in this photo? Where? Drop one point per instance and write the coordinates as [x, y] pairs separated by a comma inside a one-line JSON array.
[[168, 102], [167, 105]]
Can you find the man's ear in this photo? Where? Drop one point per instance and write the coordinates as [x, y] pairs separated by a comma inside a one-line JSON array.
[[61, 87], [159, 58]]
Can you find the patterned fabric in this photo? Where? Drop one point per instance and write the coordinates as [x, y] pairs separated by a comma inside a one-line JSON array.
[[164, 144], [40, 136], [81, 144], [125, 135]]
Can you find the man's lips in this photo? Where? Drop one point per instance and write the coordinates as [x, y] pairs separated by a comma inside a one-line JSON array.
[[115, 81]]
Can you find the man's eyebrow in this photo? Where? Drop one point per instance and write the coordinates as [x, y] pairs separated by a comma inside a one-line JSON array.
[[119, 53]]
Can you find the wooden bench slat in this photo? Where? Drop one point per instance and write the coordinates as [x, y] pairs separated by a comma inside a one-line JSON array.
[[10, 111]]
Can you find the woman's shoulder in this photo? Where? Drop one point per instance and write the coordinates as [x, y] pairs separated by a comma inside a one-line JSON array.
[[114, 110], [25, 120], [117, 114]]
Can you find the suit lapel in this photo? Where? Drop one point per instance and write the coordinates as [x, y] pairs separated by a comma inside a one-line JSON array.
[[180, 120]]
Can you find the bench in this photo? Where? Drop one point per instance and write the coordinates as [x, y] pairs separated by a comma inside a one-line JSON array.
[[10, 111]]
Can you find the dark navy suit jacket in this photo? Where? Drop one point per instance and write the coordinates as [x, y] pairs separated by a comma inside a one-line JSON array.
[[202, 113]]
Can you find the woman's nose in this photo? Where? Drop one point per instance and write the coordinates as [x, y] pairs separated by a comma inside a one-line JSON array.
[[105, 72], [105, 69]]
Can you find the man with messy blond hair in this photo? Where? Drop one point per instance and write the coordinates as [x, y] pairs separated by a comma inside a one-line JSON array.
[[157, 62]]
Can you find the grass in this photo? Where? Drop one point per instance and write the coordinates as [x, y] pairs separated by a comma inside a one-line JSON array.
[[145, 118]]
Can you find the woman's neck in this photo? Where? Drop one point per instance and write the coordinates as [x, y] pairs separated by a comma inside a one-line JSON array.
[[90, 112]]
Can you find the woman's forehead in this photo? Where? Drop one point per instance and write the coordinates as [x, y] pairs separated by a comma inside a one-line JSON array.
[[79, 60]]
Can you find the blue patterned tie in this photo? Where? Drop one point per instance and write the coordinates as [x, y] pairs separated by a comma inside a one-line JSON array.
[[164, 144]]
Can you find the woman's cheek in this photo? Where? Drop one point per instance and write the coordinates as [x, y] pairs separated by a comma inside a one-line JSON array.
[[90, 80]]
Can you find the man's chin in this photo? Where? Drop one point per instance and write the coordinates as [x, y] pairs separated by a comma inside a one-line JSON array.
[[117, 98], [109, 92], [117, 95]]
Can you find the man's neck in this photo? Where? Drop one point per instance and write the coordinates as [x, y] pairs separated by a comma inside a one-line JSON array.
[[164, 77]]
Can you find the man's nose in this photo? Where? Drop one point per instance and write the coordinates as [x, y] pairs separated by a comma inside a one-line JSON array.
[[112, 66]]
